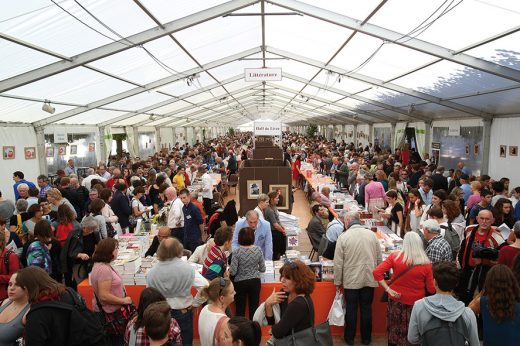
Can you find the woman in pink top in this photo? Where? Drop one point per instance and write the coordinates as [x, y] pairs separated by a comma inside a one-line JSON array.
[[109, 292], [374, 194], [474, 198]]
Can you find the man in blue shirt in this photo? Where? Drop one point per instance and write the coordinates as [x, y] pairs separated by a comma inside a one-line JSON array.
[[464, 180], [18, 178], [263, 236], [426, 191], [193, 223]]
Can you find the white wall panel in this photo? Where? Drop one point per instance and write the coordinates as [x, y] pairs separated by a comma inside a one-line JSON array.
[[19, 137], [504, 132]]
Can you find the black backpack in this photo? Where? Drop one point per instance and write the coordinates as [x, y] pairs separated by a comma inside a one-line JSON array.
[[444, 333], [453, 238], [85, 328]]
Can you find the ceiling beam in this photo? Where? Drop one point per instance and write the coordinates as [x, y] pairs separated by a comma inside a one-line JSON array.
[[170, 101], [380, 83], [359, 98], [121, 45], [147, 87], [400, 39]]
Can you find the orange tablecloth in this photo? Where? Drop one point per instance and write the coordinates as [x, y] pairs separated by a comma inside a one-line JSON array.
[[322, 297]]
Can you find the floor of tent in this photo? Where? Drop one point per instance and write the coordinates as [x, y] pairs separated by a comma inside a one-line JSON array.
[[301, 210]]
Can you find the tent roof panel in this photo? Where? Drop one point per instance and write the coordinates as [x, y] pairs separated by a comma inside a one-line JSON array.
[[14, 110], [93, 117], [504, 51], [21, 59], [162, 9]]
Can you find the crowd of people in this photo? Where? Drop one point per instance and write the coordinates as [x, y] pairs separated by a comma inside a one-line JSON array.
[[55, 235]]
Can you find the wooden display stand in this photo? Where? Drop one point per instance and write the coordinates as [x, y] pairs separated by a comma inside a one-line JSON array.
[[262, 176]]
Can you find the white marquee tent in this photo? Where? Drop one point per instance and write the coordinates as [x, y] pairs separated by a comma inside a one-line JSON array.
[[166, 71]]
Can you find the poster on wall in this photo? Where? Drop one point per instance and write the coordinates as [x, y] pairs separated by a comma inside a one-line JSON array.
[[476, 150], [30, 153], [503, 149], [73, 149], [436, 153], [467, 150], [62, 150], [254, 189], [49, 152], [513, 150], [283, 192], [91, 147], [8, 152]]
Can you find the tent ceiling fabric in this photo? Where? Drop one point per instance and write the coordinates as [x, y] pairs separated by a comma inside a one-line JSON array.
[[181, 63]]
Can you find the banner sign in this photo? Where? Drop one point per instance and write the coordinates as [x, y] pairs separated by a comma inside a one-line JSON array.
[[267, 128], [454, 130], [262, 74], [60, 137]]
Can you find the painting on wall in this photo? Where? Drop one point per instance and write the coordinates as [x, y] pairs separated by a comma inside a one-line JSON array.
[[73, 149], [476, 150], [283, 191], [91, 147], [8, 152], [503, 149], [30, 153], [467, 150], [62, 150], [254, 189], [49, 152], [513, 150]]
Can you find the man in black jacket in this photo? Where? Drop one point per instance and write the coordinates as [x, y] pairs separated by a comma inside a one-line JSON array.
[[163, 233], [440, 182], [121, 205]]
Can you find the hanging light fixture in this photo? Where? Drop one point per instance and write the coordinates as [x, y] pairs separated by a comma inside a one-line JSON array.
[[47, 107]]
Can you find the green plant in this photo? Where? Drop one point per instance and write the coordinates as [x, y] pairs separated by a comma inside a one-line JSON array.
[[312, 130], [231, 131]]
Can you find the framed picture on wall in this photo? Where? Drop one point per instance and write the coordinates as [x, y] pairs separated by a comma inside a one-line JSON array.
[[91, 147], [467, 150], [283, 191], [476, 150], [30, 153], [8, 152], [49, 152], [254, 189], [503, 149], [513, 150], [62, 150], [74, 150]]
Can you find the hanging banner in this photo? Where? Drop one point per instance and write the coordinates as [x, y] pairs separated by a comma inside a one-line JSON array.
[[60, 137], [267, 128], [262, 74]]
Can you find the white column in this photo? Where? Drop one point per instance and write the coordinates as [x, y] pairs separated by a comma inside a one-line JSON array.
[[486, 142], [392, 138], [102, 145], [355, 139], [371, 134], [158, 145], [40, 149], [427, 138]]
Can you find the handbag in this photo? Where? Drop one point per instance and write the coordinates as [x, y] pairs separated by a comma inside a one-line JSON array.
[[384, 296], [111, 232], [313, 336], [115, 323]]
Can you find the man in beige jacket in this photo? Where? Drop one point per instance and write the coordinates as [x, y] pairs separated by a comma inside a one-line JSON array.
[[357, 253]]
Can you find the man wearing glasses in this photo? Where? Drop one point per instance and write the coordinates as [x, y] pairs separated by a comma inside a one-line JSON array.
[[478, 253], [163, 233]]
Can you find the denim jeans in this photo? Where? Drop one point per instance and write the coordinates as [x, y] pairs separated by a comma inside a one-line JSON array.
[[361, 298], [185, 321]]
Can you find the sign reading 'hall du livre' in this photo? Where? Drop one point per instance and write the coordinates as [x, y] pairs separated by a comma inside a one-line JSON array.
[[262, 74]]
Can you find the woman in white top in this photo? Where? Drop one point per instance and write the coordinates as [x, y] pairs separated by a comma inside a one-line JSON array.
[[415, 210], [263, 203], [138, 209], [107, 212], [220, 294], [437, 198]]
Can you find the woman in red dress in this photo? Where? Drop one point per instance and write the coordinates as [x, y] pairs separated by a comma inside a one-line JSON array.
[[296, 170]]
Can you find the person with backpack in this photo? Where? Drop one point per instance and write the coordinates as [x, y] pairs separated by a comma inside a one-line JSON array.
[[58, 316], [441, 319], [438, 248], [9, 264]]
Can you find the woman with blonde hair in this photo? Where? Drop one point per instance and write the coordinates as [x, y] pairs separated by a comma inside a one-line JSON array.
[[382, 178], [475, 197], [412, 277], [263, 204], [56, 199]]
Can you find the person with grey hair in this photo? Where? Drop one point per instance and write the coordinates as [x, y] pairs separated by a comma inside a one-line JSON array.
[[76, 254], [263, 236], [23, 190], [438, 248], [6, 208], [91, 174], [20, 216], [356, 255], [315, 199]]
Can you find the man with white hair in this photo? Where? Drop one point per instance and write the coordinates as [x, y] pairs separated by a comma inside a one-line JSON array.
[[91, 174], [357, 254], [438, 249]]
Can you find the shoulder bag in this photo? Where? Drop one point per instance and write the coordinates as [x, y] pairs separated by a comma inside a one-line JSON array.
[[313, 336], [384, 296]]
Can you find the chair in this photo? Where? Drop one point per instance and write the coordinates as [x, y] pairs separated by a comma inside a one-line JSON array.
[[315, 247], [233, 181]]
